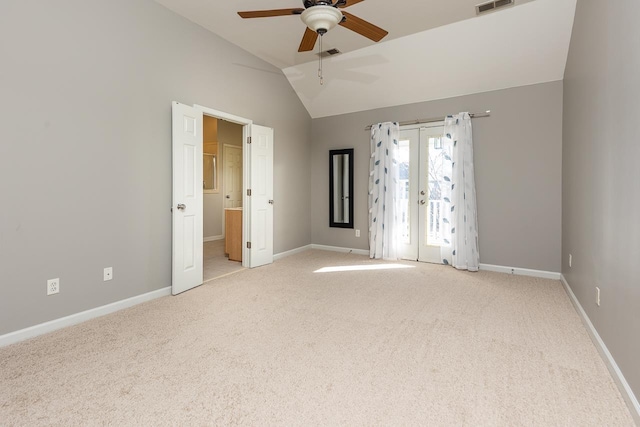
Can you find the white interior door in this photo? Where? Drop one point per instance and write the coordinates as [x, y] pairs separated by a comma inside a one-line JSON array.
[[232, 176], [420, 197], [187, 215], [261, 199]]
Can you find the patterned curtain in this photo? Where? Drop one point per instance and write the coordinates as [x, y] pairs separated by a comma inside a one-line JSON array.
[[460, 217], [383, 183]]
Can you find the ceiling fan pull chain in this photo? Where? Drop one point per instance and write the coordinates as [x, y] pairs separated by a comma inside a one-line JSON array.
[[320, 61]]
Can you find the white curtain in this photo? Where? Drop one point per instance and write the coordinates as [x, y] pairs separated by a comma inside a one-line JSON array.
[[383, 183], [460, 217]]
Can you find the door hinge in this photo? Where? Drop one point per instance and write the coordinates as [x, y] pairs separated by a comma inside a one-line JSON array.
[[248, 191], [248, 245], [248, 140]]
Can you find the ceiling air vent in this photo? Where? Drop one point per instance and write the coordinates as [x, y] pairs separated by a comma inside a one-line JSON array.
[[329, 52], [492, 5]]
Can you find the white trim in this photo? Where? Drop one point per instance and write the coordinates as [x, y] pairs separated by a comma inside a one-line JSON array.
[[616, 373], [212, 238], [520, 271], [285, 254], [222, 115], [73, 319], [341, 249]]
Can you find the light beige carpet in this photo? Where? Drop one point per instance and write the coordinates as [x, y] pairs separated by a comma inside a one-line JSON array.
[[282, 345]]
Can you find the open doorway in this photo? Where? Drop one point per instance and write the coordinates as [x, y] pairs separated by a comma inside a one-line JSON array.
[[256, 224], [222, 198]]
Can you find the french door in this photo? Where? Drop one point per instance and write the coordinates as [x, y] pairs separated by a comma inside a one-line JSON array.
[[420, 197]]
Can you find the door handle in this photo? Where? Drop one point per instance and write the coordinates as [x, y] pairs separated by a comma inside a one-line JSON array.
[[181, 206], [422, 193], [270, 202], [421, 202], [227, 196]]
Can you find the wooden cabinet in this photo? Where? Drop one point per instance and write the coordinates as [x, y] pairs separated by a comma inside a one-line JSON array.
[[233, 233]]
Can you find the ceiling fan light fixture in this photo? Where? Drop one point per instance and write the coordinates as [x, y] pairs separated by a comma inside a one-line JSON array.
[[321, 18]]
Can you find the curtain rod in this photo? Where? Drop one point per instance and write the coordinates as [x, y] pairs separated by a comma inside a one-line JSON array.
[[436, 119]]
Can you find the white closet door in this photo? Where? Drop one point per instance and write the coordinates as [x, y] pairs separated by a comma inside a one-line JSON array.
[[261, 185]]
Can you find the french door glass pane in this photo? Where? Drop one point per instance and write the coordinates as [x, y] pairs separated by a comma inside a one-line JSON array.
[[435, 182], [403, 199]]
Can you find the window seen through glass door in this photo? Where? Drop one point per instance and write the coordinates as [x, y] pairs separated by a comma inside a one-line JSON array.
[[435, 183], [404, 212]]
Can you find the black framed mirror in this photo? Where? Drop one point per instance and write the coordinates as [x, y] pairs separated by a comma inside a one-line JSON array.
[[341, 188]]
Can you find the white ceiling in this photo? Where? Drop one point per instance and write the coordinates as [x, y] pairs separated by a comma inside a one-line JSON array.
[[435, 48]]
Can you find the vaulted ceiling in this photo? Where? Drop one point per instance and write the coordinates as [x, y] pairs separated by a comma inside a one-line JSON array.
[[435, 48]]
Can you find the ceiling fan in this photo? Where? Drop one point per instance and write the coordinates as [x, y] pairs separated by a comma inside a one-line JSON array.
[[320, 16]]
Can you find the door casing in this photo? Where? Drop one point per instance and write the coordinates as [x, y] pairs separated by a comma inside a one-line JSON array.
[[246, 174]]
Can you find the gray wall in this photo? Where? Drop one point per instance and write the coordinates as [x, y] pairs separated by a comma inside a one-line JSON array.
[[601, 176], [517, 162], [230, 134], [85, 167]]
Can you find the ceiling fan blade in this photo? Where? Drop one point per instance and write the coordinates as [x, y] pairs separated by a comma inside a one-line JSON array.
[[349, 3], [363, 27], [269, 13], [308, 40]]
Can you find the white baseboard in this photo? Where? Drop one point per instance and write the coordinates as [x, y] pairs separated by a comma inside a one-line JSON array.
[[520, 271], [341, 249], [73, 319], [284, 254], [616, 373], [212, 238]]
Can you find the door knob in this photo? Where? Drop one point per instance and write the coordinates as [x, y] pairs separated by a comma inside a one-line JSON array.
[[270, 202], [228, 196], [422, 193], [181, 206], [421, 202]]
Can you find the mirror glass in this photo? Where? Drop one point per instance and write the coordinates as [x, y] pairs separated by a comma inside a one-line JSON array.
[[341, 188], [210, 171], [210, 166]]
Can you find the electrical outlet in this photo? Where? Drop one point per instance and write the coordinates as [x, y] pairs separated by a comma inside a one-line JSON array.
[[108, 273], [598, 296], [570, 259], [53, 286], [357, 233]]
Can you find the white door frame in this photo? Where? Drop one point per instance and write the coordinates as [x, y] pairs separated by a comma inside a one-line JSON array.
[[246, 170]]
